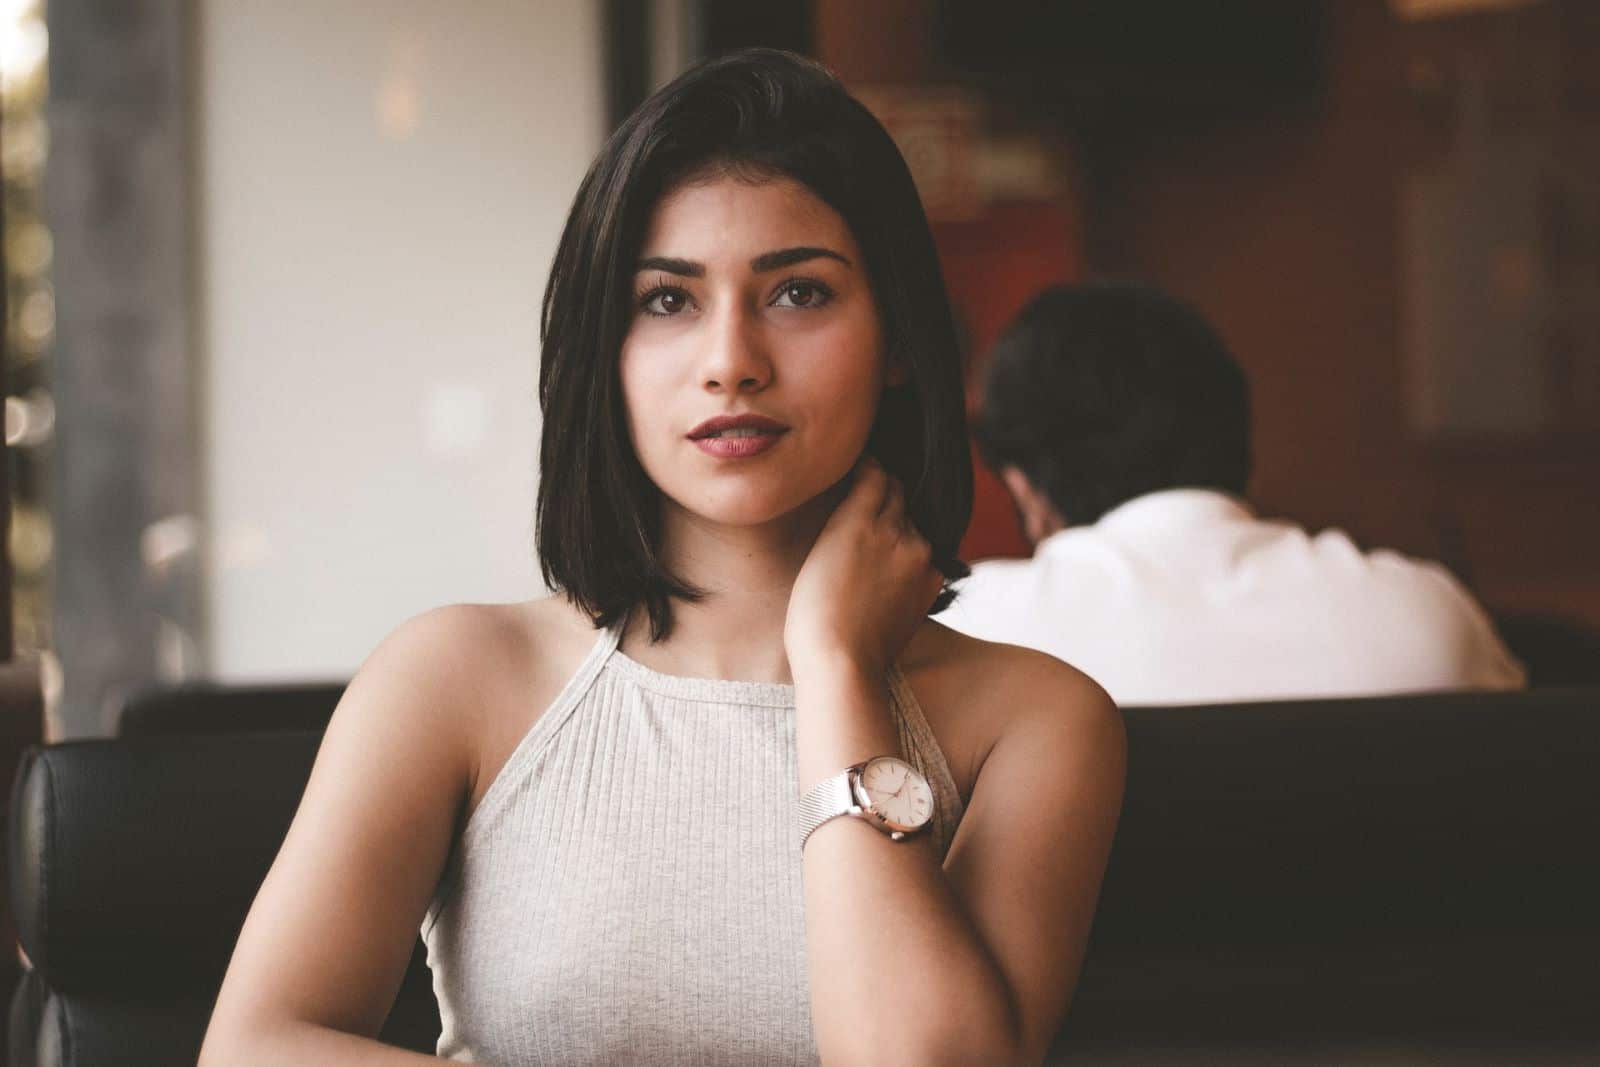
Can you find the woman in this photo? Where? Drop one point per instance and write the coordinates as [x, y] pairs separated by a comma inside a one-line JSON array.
[[733, 797]]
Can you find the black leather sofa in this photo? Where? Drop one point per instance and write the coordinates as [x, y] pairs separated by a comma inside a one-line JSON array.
[[207, 707], [1399, 880]]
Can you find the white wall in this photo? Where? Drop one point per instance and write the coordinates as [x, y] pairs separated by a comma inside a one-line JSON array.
[[383, 183]]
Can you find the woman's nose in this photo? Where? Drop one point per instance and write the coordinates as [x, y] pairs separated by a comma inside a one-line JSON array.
[[736, 360]]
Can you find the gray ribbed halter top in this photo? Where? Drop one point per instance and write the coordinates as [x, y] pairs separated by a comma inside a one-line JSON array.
[[628, 890]]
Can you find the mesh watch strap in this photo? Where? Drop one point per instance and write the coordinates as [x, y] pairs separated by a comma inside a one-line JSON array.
[[828, 799]]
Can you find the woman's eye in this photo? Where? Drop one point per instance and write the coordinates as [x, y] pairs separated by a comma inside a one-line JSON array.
[[666, 302], [802, 295]]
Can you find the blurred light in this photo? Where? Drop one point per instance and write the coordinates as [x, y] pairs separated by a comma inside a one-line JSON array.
[[27, 144], [52, 680], [25, 349], [30, 420], [29, 247], [397, 110], [399, 101], [15, 11], [1020, 168], [37, 316], [1428, 9], [32, 540], [168, 540], [24, 42]]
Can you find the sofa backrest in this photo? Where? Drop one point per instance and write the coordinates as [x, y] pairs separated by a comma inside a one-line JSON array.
[[133, 864], [1397, 869], [1425, 813], [206, 707]]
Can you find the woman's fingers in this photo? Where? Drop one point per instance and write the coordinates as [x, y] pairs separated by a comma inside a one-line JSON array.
[[871, 484], [886, 497], [893, 513]]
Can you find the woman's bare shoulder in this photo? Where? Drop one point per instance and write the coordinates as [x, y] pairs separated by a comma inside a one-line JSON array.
[[994, 676], [397, 767], [975, 693], [480, 647], [475, 672]]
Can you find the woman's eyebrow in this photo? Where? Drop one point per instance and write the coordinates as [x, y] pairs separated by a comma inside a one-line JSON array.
[[686, 267], [788, 257], [767, 261]]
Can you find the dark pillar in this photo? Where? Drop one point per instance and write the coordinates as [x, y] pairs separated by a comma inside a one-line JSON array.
[[118, 191]]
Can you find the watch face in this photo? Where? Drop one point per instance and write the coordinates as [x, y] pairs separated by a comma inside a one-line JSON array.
[[897, 793]]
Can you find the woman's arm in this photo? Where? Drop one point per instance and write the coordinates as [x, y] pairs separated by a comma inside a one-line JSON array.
[[973, 962], [328, 938]]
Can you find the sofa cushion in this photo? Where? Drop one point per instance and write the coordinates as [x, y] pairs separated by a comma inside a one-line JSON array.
[[134, 862]]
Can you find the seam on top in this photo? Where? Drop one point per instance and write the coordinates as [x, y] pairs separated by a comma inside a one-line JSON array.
[[708, 690], [541, 732], [533, 743]]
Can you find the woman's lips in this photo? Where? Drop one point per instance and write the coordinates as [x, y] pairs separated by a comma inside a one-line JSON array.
[[737, 436], [738, 445]]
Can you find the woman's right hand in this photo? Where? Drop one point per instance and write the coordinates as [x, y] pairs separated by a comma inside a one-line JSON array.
[[867, 583]]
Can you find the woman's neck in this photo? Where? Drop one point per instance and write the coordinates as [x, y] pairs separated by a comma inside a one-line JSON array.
[[747, 573]]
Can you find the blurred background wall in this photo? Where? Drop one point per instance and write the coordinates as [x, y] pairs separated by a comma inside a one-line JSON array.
[[382, 185]]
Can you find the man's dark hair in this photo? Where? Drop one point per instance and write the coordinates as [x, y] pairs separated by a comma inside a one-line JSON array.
[[755, 114], [1106, 391]]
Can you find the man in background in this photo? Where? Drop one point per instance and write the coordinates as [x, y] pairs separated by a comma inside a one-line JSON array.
[[1120, 425]]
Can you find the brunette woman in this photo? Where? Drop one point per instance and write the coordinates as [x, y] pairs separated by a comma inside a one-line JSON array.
[[731, 796]]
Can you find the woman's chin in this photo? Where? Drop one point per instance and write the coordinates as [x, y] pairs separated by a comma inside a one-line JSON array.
[[747, 509], [741, 514]]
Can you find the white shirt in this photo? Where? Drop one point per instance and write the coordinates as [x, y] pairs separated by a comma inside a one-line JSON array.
[[1186, 597]]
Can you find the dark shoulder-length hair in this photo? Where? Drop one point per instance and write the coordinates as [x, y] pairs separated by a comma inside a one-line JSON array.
[[757, 113]]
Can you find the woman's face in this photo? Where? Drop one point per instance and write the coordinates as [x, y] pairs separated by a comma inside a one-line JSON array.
[[754, 363]]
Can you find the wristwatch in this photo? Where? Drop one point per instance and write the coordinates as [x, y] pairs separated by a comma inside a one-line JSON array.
[[886, 791]]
